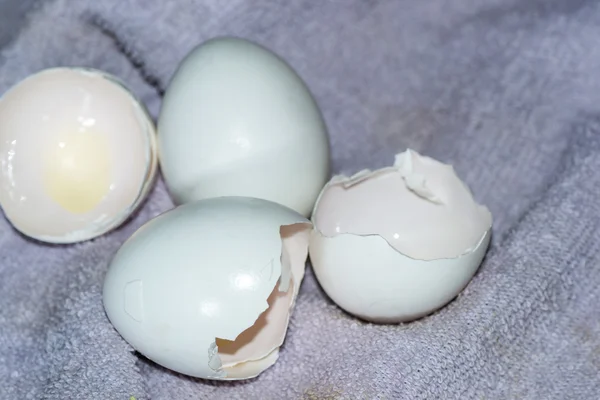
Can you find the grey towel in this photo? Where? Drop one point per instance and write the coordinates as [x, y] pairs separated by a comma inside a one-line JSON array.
[[506, 90]]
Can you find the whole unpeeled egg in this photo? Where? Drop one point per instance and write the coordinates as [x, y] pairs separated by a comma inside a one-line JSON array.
[[77, 152], [206, 289], [237, 120], [398, 243]]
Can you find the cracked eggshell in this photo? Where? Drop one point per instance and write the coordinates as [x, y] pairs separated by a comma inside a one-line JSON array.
[[207, 288], [77, 152], [398, 243], [237, 120]]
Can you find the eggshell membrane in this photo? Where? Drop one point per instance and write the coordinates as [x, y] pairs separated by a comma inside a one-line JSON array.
[[381, 203], [94, 113], [398, 243], [237, 120], [211, 286], [262, 340]]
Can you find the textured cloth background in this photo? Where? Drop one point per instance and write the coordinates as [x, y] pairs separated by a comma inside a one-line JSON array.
[[506, 90]]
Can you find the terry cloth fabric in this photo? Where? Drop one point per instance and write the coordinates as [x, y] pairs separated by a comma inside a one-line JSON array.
[[507, 91]]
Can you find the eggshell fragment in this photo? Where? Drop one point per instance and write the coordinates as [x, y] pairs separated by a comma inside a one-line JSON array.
[[237, 120], [398, 243], [207, 288], [77, 152]]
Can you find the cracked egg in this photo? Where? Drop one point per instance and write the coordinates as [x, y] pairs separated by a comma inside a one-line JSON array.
[[398, 243], [77, 154], [206, 289]]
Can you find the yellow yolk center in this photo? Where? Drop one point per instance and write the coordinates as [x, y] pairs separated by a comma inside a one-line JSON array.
[[77, 170]]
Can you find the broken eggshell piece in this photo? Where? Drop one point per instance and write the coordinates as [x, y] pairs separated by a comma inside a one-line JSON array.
[[396, 244], [207, 288]]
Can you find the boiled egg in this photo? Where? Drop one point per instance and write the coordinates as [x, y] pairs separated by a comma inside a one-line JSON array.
[[77, 152], [207, 288], [237, 120], [398, 243]]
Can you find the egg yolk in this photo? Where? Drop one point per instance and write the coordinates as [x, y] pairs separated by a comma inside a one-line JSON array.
[[77, 170]]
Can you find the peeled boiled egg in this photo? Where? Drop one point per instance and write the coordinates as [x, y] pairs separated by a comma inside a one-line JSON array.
[[77, 152], [236, 120], [396, 244], [206, 289]]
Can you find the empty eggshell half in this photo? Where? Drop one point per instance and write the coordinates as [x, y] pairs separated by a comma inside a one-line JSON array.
[[396, 244], [77, 152], [207, 288]]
